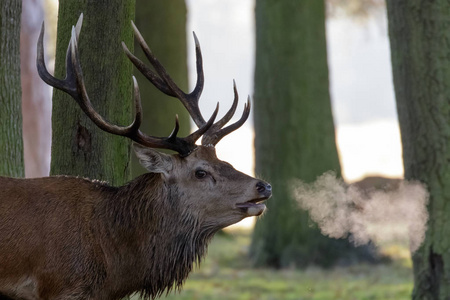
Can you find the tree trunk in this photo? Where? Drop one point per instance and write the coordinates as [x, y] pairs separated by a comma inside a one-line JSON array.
[[78, 146], [36, 100], [163, 26], [418, 31], [294, 130], [11, 145]]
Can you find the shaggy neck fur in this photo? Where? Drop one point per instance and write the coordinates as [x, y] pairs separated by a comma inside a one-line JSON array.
[[154, 239]]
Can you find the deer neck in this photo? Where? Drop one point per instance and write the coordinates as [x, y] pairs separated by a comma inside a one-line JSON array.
[[149, 232]]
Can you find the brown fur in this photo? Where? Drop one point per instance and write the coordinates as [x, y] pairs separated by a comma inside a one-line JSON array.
[[72, 238]]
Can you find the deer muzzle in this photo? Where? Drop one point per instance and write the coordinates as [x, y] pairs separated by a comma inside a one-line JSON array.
[[256, 206]]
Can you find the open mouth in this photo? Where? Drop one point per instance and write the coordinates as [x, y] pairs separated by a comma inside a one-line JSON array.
[[253, 207]]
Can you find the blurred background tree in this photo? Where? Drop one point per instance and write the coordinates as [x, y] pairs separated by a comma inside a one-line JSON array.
[[294, 132], [163, 26], [418, 31], [11, 145], [78, 146]]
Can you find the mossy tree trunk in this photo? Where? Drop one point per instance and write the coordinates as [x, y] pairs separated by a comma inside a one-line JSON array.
[[163, 26], [294, 130], [11, 145], [78, 146], [419, 33]]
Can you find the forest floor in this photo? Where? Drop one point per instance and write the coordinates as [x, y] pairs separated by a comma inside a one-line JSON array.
[[226, 274]]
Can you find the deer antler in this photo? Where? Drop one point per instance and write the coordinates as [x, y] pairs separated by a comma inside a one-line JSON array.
[[161, 79], [73, 84]]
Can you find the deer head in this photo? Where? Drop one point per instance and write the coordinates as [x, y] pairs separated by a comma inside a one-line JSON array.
[[195, 169]]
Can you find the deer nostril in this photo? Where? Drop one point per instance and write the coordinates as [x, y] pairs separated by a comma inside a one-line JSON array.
[[262, 187]]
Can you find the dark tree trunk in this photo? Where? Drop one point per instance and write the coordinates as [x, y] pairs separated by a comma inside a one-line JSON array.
[[294, 130], [419, 36], [79, 147], [11, 145]]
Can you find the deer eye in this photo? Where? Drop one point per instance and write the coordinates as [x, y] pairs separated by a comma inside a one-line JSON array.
[[200, 174]]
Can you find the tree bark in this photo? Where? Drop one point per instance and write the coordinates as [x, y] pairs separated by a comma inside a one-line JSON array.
[[11, 145], [78, 146], [163, 26], [419, 36], [294, 130], [36, 97]]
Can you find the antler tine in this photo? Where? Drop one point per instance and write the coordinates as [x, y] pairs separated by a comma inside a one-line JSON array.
[[73, 84], [42, 68], [83, 100], [147, 72], [227, 117], [175, 130], [137, 107], [199, 67], [189, 141], [78, 26], [215, 136], [205, 128], [162, 80]]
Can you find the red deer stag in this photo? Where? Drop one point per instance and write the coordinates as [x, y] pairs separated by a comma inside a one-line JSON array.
[[71, 238]]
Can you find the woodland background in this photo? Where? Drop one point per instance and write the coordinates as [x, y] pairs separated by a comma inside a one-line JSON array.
[[285, 255]]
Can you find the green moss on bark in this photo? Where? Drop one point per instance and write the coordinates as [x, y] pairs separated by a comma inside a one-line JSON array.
[[11, 145], [419, 33], [78, 146]]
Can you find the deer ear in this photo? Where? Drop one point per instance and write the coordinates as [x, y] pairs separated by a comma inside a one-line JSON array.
[[152, 160]]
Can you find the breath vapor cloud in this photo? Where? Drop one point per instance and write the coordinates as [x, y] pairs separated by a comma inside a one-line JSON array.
[[341, 210]]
